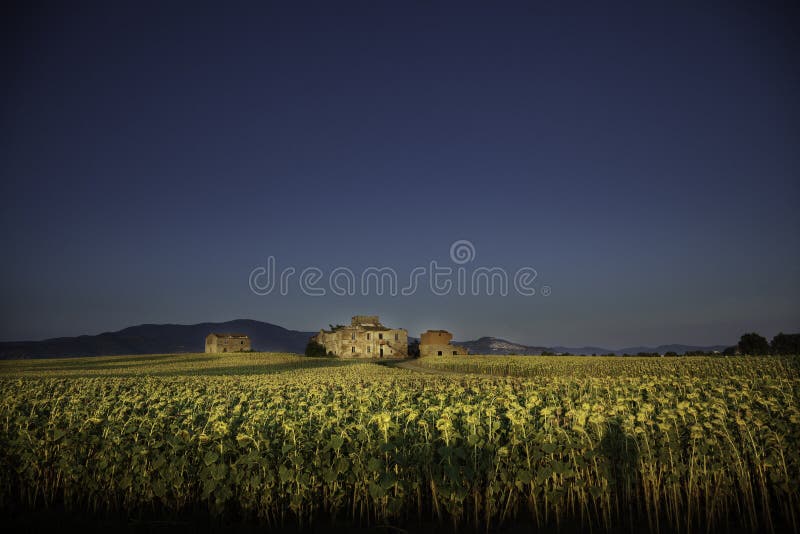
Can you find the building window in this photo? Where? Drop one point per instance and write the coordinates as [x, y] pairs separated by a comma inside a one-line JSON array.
[[353, 336], [369, 349], [439, 353], [367, 335], [455, 353], [396, 337], [352, 349], [380, 336]]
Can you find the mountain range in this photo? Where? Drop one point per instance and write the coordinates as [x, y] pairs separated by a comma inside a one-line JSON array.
[[493, 345], [158, 339], [176, 338]]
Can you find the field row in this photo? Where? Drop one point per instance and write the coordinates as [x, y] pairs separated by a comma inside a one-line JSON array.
[[154, 365], [612, 366], [713, 444]]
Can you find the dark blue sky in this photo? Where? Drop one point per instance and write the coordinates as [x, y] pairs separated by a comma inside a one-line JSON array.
[[644, 160]]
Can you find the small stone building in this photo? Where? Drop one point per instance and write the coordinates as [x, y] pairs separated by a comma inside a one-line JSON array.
[[227, 343], [365, 337], [437, 343]]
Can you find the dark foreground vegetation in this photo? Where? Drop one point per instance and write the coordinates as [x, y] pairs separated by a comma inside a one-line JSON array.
[[248, 441]]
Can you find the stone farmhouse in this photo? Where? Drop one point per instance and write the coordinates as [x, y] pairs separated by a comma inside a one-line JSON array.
[[365, 337], [437, 343], [216, 343]]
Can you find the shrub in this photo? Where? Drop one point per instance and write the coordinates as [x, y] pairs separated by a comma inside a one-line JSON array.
[[315, 350]]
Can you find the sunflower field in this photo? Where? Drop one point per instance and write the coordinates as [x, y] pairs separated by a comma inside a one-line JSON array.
[[685, 444]]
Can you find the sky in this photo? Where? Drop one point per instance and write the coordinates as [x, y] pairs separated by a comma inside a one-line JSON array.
[[643, 159]]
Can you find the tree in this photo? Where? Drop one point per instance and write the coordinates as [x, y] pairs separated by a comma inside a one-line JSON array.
[[753, 344], [784, 344], [315, 350], [730, 351]]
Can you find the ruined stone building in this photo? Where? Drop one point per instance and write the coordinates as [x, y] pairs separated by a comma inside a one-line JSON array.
[[227, 343], [437, 343], [365, 337]]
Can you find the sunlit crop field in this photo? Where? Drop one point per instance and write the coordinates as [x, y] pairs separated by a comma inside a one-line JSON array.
[[683, 444]]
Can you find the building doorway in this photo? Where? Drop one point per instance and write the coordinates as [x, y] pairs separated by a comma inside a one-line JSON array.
[[381, 352]]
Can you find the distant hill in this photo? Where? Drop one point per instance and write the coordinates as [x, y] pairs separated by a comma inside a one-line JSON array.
[[158, 339], [493, 345], [173, 338], [660, 349], [679, 349], [583, 350]]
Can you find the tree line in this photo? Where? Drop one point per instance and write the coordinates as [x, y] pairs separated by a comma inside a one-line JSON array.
[[751, 344], [755, 344]]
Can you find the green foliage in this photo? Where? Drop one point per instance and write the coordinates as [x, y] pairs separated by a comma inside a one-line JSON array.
[[315, 350], [753, 344], [785, 344]]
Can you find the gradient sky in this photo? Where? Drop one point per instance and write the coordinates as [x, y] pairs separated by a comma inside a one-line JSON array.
[[644, 160]]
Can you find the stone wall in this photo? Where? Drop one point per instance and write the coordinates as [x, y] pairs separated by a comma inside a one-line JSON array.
[[220, 344], [437, 343], [365, 342], [365, 319], [435, 337], [442, 350]]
